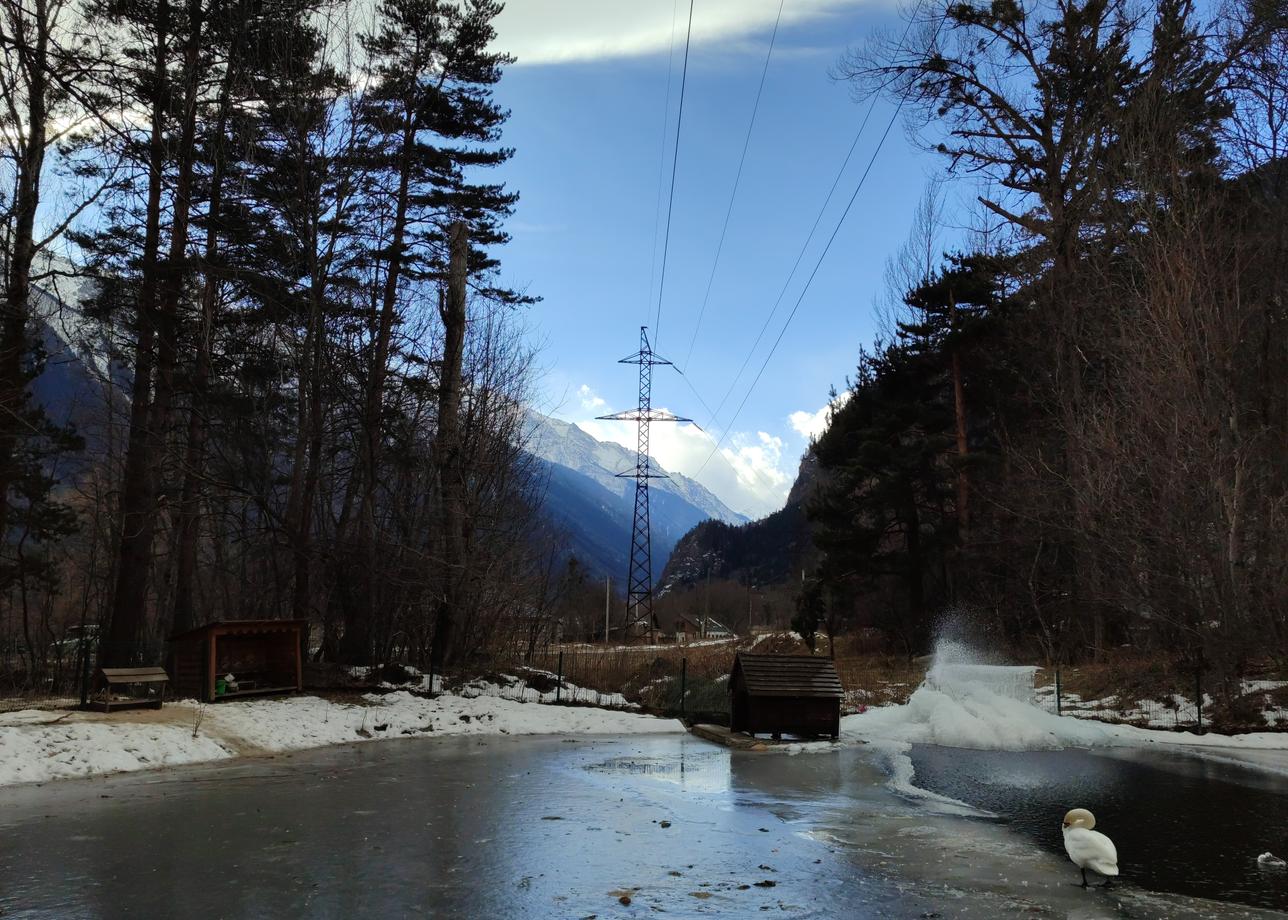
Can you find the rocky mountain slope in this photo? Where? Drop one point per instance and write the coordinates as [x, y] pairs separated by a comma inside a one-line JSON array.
[[769, 551], [596, 507]]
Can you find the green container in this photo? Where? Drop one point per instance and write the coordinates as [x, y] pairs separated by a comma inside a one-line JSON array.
[[221, 687]]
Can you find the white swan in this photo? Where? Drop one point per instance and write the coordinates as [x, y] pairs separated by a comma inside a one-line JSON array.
[[1087, 848]]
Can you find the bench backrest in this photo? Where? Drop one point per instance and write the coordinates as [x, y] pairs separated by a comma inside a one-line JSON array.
[[134, 675]]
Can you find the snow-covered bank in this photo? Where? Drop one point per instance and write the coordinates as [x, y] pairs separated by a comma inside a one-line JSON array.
[[41, 746], [974, 717]]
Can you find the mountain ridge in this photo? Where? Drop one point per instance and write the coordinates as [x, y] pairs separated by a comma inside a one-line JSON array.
[[596, 507]]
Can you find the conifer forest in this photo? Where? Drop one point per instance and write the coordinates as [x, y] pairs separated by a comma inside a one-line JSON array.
[[274, 228]]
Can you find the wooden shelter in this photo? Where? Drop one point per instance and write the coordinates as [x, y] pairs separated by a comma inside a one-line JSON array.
[[114, 682], [263, 656], [784, 695]]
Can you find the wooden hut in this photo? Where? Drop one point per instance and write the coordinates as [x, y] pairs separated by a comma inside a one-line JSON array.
[[785, 695], [263, 656]]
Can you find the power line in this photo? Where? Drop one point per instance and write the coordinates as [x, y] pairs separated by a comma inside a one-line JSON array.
[[836, 181], [835, 230], [661, 162], [675, 159], [733, 195]]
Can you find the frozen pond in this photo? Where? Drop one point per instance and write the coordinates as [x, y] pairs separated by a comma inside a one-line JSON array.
[[1180, 823], [538, 828]]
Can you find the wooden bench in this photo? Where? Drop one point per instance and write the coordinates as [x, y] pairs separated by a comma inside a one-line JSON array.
[[112, 678]]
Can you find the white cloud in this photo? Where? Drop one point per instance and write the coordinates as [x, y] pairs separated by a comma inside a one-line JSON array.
[[810, 425], [590, 400], [753, 471], [748, 475], [564, 31]]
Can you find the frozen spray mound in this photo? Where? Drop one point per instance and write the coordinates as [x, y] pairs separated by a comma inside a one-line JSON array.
[[970, 704], [974, 717]]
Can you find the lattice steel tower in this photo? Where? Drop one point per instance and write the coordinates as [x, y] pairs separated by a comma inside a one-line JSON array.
[[639, 581]]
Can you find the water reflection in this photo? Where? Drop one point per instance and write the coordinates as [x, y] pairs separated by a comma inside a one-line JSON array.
[[1180, 824], [703, 771]]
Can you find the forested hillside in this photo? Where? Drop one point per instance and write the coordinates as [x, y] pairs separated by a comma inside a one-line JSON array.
[[1074, 432], [1077, 429], [261, 244], [767, 551]]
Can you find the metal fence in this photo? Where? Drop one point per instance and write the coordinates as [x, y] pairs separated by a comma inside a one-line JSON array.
[[44, 681], [691, 682], [1190, 699], [60, 676], [688, 683]]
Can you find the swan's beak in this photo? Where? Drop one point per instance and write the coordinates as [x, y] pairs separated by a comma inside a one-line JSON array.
[[1064, 823]]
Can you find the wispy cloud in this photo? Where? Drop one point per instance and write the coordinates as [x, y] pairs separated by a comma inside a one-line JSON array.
[[750, 475], [590, 400], [567, 31], [812, 424]]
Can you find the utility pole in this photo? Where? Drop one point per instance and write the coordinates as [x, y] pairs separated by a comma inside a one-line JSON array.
[[707, 614], [608, 589], [639, 581]]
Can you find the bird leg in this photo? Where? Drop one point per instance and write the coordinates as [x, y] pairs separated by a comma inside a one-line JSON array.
[[1084, 878]]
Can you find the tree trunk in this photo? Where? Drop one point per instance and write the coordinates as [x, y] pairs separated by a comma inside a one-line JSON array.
[[916, 565], [959, 412], [128, 612], [13, 330], [447, 447], [188, 518], [359, 612]]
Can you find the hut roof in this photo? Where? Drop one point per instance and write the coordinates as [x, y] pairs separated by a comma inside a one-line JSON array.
[[788, 675], [243, 626]]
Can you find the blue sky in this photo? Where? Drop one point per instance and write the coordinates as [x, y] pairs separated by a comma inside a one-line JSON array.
[[588, 98]]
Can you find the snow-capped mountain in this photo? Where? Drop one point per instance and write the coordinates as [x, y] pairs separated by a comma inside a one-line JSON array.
[[84, 386], [557, 441], [596, 507]]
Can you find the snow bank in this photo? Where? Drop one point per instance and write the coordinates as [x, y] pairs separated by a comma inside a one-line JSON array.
[[42, 746], [34, 752], [302, 722], [974, 717], [518, 688]]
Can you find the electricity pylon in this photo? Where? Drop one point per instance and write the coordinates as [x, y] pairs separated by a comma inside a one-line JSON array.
[[639, 581]]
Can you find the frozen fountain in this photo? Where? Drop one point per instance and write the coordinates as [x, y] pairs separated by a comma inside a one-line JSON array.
[[957, 672]]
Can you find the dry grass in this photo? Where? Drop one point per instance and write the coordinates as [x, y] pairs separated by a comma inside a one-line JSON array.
[[650, 675], [1124, 677]]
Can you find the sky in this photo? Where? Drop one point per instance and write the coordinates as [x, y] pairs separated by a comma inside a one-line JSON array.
[[593, 131]]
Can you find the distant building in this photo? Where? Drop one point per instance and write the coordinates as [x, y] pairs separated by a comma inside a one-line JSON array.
[[682, 628]]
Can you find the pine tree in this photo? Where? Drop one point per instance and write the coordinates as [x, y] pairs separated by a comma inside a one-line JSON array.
[[896, 454], [431, 120], [134, 278], [40, 61]]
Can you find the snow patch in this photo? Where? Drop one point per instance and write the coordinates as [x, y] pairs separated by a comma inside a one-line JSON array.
[[31, 752], [974, 717], [35, 747]]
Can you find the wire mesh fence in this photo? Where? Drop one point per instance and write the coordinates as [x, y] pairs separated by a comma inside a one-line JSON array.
[[681, 681], [52, 679], [1162, 696], [61, 675], [692, 681]]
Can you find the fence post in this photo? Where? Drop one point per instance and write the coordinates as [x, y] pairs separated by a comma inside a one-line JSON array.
[[1198, 694], [431, 670], [84, 671], [684, 683], [1057, 691], [559, 681]]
